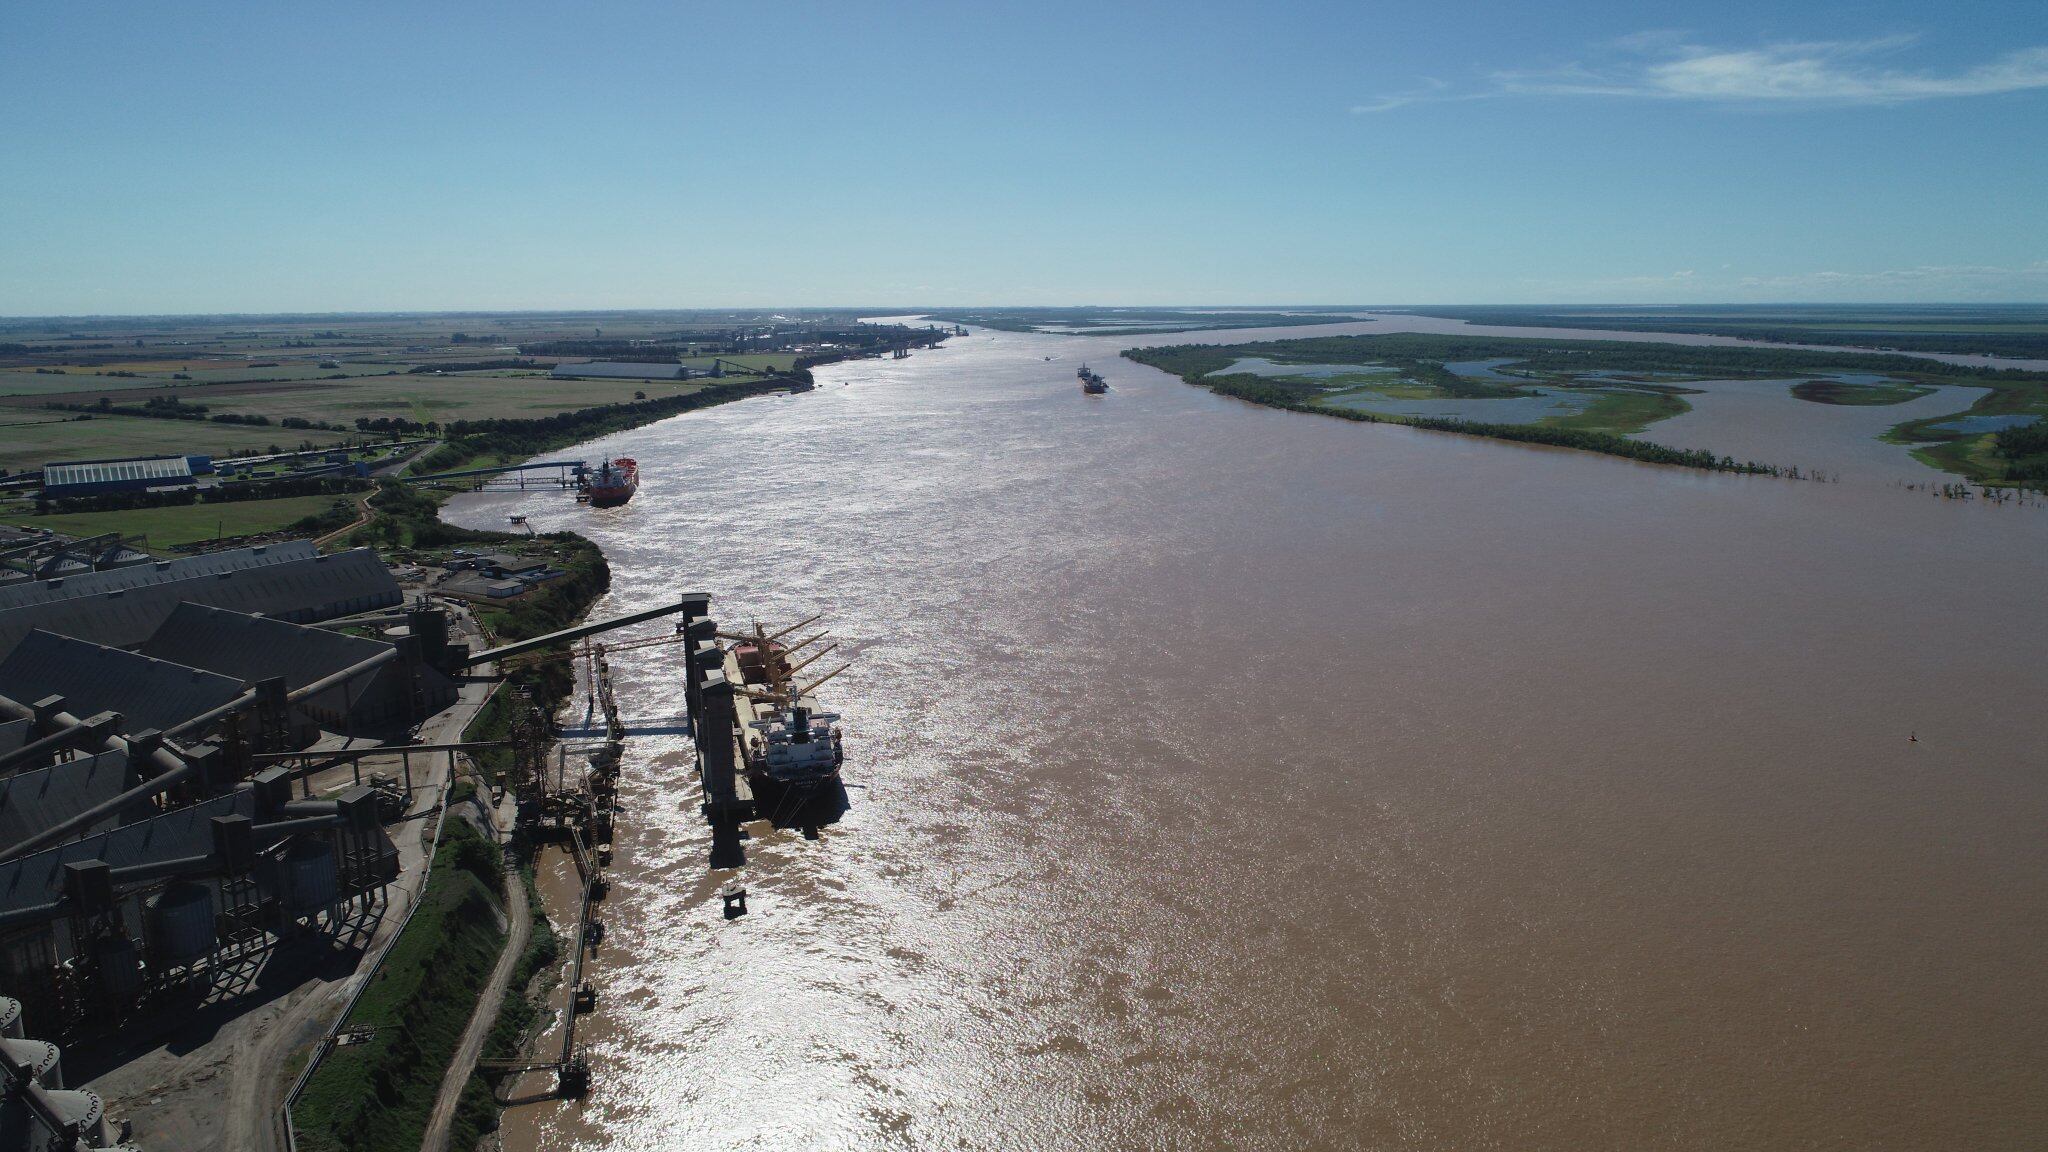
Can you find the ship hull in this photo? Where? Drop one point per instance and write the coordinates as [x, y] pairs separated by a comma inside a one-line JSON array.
[[613, 484]]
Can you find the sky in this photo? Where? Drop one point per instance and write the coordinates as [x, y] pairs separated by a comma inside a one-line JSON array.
[[265, 157]]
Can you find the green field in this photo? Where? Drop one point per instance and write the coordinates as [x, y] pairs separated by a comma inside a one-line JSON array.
[[407, 373], [379, 1094], [29, 382], [103, 437], [187, 524], [439, 398], [1625, 413], [423, 396]]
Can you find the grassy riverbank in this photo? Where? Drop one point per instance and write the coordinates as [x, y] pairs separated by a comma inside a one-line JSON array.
[[486, 443], [519, 1016], [379, 1093]]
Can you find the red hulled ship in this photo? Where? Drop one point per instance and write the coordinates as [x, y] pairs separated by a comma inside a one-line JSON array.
[[612, 483]]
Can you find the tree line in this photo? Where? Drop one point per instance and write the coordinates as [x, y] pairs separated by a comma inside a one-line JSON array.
[[2025, 451], [528, 436], [160, 408]]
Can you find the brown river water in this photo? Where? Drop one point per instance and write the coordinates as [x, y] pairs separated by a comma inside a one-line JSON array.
[[1232, 778]]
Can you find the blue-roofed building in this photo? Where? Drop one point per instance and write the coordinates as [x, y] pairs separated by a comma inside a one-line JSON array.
[[92, 477]]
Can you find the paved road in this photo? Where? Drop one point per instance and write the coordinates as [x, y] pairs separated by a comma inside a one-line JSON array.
[[404, 462]]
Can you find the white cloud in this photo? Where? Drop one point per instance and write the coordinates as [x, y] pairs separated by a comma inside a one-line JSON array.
[[1670, 66], [1430, 89]]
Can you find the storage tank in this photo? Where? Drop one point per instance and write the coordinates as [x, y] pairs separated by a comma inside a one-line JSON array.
[[178, 924], [311, 881], [42, 1059], [10, 1018], [120, 970], [81, 1108]]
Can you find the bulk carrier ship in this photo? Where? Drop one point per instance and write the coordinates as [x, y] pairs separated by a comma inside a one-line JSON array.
[[795, 746], [612, 484], [1092, 382]]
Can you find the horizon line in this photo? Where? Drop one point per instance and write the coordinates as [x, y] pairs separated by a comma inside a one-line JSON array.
[[893, 308]]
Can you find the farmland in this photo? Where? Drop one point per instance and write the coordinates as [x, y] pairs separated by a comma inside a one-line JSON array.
[[108, 388], [29, 446], [423, 398], [168, 528], [330, 375]]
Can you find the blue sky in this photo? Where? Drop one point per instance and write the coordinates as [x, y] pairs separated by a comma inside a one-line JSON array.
[[198, 157]]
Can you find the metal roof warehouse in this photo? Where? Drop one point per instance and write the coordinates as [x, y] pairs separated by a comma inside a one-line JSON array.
[[83, 477]]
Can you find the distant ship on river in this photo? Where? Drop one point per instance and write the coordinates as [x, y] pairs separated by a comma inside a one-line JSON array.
[[1092, 382]]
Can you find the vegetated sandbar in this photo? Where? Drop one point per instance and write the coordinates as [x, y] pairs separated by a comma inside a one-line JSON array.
[[2017, 330], [1608, 390]]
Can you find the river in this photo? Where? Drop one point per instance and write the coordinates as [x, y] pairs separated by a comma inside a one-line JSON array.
[[1233, 778]]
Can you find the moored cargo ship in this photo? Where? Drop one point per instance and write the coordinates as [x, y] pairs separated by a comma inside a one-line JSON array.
[[613, 483], [797, 747], [794, 748]]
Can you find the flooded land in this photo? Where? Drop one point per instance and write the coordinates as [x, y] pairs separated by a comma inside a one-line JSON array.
[[1729, 405], [1230, 777]]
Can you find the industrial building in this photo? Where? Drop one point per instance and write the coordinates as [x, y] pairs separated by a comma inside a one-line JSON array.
[[619, 370], [144, 844], [94, 477], [155, 572], [147, 693], [125, 607], [251, 649], [27, 555], [156, 892]]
